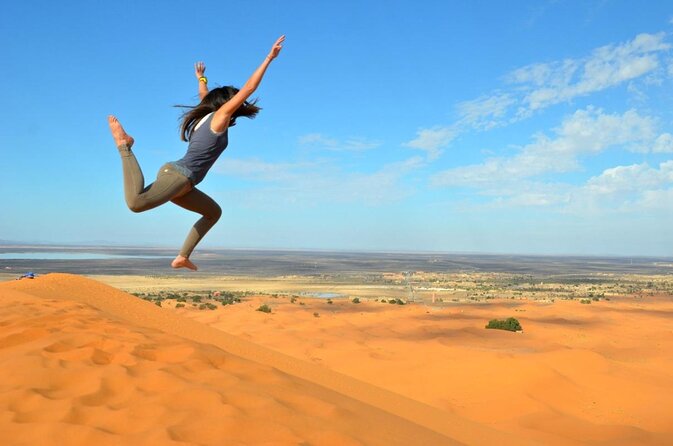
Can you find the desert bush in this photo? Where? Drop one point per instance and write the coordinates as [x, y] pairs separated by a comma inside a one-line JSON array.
[[329, 301], [400, 302], [228, 300], [211, 306], [293, 300], [264, 308], [157, 303], [509, 324], [585, 301], [302, 303], [316, 314], [202, 307], [356, 300], [179, 305], [196, 298]]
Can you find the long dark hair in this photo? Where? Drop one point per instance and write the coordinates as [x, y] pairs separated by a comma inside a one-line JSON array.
[[210, 103]]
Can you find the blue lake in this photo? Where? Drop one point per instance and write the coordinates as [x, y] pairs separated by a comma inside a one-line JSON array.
[[323, 295], [54, 255]]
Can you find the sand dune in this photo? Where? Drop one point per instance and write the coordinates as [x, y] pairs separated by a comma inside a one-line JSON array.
[[84, 363], [579, 375]]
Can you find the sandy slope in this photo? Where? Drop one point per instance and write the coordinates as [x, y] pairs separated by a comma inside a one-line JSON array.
[[84, 363], [580, 374]]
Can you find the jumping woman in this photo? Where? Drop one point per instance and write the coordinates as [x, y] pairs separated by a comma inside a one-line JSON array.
[[204, 127]]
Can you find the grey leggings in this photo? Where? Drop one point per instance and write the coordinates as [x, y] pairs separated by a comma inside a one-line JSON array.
[[170, 185]]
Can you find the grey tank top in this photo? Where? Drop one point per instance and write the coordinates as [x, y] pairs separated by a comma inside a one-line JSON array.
[[205, 147]]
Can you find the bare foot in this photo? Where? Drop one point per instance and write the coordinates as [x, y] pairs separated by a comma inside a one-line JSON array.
[[183, 262], [120, 136]]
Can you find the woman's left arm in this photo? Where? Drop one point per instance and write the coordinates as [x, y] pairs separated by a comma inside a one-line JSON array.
[[199, 71]]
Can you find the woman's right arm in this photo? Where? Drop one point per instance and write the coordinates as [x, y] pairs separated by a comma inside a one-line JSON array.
[[223, 115]]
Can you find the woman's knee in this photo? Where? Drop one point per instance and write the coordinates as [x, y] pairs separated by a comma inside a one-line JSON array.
[[215, 213], [136, 206]]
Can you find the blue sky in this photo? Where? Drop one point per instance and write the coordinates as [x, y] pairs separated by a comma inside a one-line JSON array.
[[463, 126]]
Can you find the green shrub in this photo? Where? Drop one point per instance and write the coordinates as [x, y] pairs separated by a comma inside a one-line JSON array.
[[157, 303], [585, 301], [202, 307], [356, 300], [509, 324], [179, 305], [196, 298], [211, 306], [228, 300], [400, 302], [329, 301], [293, 299], [264, 308]]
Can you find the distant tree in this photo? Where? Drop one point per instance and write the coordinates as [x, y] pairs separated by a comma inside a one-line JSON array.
[[264, 308], [509, 324]]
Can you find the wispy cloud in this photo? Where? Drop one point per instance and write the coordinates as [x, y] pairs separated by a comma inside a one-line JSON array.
[[551, 83], [485, 112], [588, 131], [534, 87], [320, 141], [432, 140], [319, 183]]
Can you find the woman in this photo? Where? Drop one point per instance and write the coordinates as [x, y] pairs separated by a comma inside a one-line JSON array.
[[205, 128]]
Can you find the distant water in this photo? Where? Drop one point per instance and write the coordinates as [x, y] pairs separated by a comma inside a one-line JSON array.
[[323, 295], [54, 255]]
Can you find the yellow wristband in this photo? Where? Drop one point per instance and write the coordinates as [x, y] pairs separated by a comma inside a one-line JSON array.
[[203, 79]]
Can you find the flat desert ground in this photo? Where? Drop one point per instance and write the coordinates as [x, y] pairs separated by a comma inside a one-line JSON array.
[[82, 362]]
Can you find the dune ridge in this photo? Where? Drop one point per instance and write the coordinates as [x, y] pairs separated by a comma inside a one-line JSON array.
[[86, 344]]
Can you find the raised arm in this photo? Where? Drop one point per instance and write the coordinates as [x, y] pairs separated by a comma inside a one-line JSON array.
[[199, 72], [223, 115]]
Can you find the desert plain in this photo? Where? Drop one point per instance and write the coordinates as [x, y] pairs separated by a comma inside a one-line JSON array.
[[354, 357]]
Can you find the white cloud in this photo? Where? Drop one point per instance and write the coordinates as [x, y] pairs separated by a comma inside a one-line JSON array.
[[432, 140], [541, 85], [317, 183], [485, 112], [606, 67], [586, 132], [633, 178], [663, 144], [626, 189], [255, 169], [320, 141]]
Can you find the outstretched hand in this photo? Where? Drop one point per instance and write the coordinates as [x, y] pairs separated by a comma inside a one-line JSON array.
[[199, 69], [275, 49]]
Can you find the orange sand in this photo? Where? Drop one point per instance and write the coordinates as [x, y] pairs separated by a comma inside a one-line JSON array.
[[84, 363], [579, 375]]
